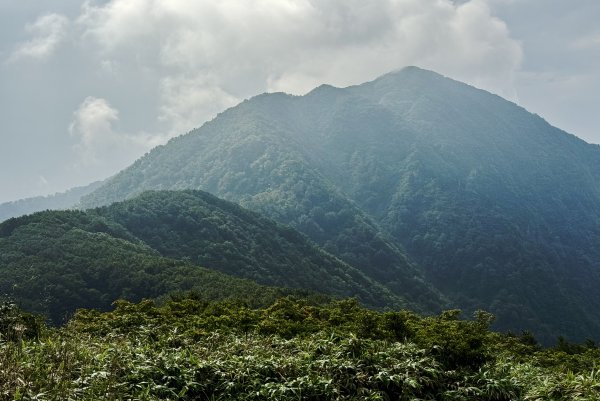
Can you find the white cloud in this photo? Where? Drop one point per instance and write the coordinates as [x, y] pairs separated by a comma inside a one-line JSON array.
[[208, 54], [185, 101], [92, 126], [48, 32], [99, 146]]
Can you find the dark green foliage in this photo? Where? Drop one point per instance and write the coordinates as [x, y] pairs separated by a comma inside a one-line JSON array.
[[266, 165], [497, 209], [211, 232], [55, 262], [16, 325], [455, 342]]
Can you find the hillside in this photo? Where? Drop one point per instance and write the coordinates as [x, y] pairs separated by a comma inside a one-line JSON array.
[[413, 178], [54, 262], [198, 227]]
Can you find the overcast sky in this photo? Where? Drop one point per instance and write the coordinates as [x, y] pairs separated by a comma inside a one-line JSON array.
[[87, 89]]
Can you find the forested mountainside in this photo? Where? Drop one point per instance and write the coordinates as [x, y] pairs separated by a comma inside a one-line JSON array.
[[290, 193], [54, 262], [59, 201], [414, 179], [198, 227]]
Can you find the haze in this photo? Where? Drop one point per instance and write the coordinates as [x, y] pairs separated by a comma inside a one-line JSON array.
[[87, 89]]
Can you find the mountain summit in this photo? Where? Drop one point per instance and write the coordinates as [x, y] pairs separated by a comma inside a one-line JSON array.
[[423, 183]]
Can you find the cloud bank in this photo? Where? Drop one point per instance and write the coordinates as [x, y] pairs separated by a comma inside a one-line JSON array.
[[211, 54], [137, 72]]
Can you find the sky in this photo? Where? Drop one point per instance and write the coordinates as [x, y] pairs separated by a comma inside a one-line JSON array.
[[88, 87]]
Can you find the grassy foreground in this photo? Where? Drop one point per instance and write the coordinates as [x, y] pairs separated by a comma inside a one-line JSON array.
[[190, 349]]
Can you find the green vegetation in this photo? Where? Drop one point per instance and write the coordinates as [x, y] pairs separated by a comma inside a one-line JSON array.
[[54, 262], [424, 184], [220, 235], [251, 157], [192, 349], [495, 209]]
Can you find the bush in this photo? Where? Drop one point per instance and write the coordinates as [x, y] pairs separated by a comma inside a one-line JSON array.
[[16, 325]]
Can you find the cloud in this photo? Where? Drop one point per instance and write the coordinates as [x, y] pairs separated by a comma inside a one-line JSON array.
[[170, 65], [99, 145], [208, 55], [185, 101], [48, 32], [92, 126]]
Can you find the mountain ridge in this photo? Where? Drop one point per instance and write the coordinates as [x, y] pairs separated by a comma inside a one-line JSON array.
[[423, 183], [54, 262], [197, 226], [453, 185], [58, 201]]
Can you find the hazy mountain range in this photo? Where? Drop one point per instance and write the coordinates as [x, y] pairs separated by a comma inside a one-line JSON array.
[[428, 192], [58, 201]]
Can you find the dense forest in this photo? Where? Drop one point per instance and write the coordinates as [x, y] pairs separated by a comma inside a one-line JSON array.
[[55, 262], [292, 349], [413, 190], [211, 232], [431, 187]]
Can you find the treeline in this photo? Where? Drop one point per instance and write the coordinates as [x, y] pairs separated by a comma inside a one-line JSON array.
[[294, 349]]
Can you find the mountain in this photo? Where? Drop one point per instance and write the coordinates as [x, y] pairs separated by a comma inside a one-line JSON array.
[[198, 227], [58, 201], [244, 158], [415, 179], [54, 262]]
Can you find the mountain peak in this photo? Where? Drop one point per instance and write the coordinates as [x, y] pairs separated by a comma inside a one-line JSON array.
[[422, 183], [410, 72], [323, 88]]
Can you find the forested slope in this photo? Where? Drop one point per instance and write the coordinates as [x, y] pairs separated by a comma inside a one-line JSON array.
[[211, 232], [55, 262], [419, 181]]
